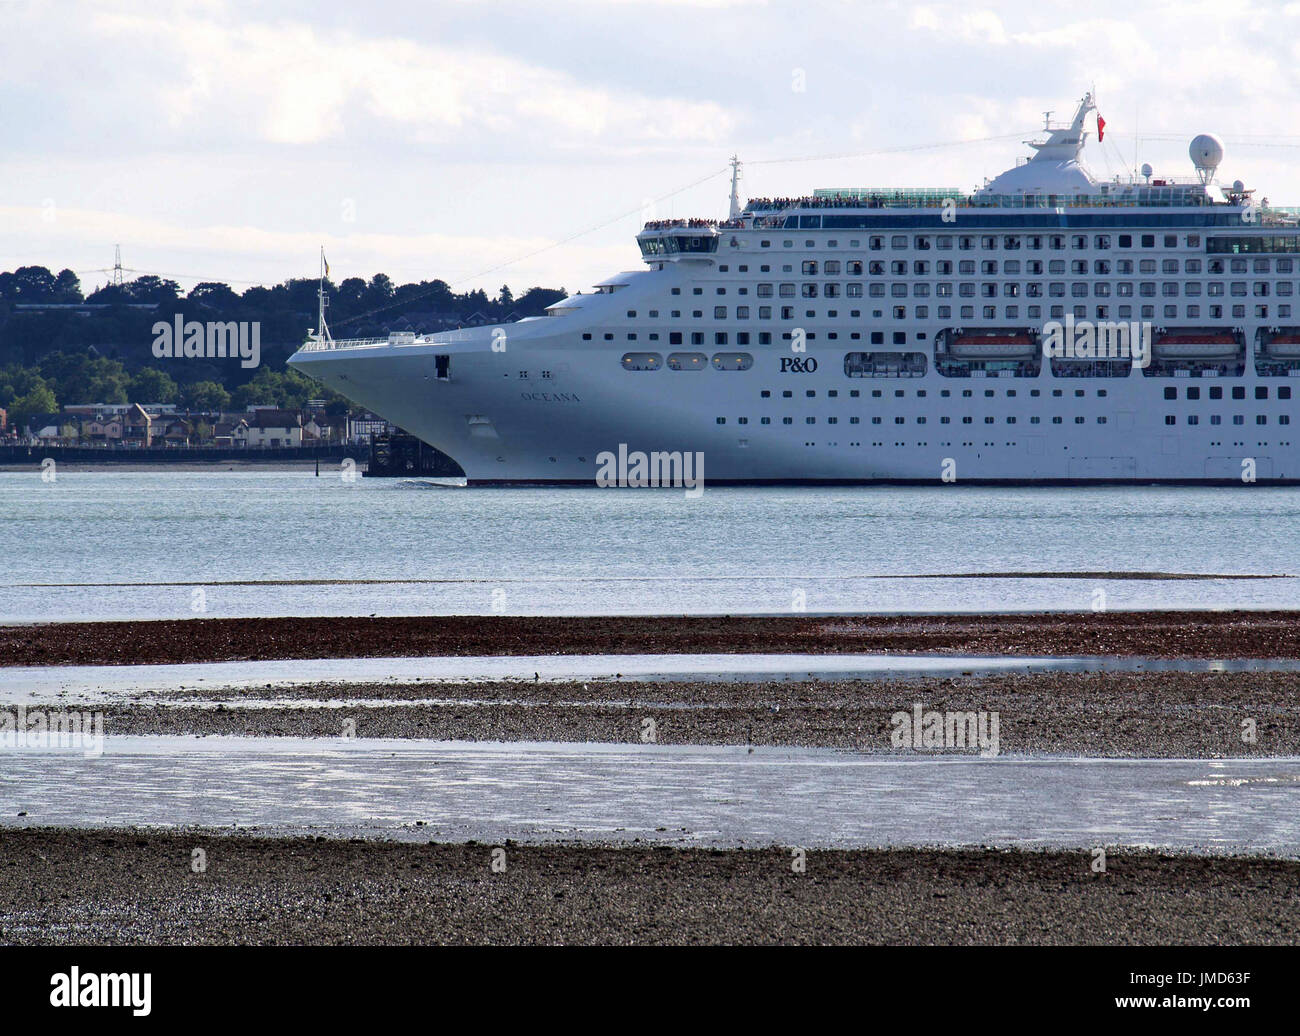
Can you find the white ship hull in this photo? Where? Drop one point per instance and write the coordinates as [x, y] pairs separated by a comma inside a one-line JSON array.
[[503, 422]]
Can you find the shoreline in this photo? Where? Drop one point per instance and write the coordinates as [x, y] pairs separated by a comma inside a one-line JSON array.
[[116, 886], [1154, 634], [137, 466]]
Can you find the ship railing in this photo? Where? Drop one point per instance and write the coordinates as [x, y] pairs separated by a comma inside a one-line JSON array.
[[1167, 197], [313, 345]]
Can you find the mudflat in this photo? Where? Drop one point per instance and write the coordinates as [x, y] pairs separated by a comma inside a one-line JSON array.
[[1174, 634], [112, 887], [1143, 715]]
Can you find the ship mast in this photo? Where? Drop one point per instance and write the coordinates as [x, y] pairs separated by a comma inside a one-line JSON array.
[[734, 212], [322, 327]]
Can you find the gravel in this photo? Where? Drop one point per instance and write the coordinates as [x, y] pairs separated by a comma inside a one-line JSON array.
[[101, 887], [1172, 715], [1232, 634]]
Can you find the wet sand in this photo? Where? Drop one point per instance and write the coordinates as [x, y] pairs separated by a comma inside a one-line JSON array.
[[117, 887], [1236, 634], [127, 887], [1152, 715]]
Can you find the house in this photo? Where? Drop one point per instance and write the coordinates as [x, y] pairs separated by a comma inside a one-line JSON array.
[[102, 428], [137, 425], [362, 429], [267, 426], [223, 434], [174, 431], [48, 426]]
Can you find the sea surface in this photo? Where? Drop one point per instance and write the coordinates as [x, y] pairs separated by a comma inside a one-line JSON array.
[[107, 544]]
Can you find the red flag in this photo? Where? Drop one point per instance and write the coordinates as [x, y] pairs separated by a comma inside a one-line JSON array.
[[1101, 128]]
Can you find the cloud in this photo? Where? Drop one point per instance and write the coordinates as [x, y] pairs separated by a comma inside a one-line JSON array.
[[295, 84], [212, 252], [972, 26], [220, 139]]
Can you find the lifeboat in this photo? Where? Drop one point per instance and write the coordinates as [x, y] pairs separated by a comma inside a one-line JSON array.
[[1196, 345], [999, 346], [1285, 345]]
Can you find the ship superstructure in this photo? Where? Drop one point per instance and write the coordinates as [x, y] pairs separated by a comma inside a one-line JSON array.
[[896, 335]]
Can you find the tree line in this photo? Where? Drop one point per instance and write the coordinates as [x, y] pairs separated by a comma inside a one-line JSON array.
[[52, 356]]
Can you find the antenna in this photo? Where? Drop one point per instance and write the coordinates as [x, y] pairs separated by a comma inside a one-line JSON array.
[[117, 266], [1137, 140], [1047, 120], [322, 330], [734, 211]]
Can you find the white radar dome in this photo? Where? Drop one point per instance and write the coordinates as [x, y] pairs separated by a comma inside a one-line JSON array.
[[1206, 151]]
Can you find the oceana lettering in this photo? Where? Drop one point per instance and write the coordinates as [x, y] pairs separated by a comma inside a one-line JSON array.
[[550, 397]]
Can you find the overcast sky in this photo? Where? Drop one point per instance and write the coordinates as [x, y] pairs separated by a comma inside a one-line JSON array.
[[228, 141]]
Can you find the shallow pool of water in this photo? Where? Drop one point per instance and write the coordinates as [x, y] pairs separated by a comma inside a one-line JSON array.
[[724, 796]]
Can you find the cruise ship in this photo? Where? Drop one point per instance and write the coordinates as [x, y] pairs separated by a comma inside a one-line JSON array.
[[893, 335]]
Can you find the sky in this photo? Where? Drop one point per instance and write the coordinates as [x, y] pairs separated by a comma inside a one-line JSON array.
[[524, 143]]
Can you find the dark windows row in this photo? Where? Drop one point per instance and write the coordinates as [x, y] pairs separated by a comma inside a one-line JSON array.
[[943, 393], [1170, 419], [1014, 242], [1218, 419], [1080, 419], [1216, 392]]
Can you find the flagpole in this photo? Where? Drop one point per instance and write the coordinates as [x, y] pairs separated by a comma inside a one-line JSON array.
[[322, 331]]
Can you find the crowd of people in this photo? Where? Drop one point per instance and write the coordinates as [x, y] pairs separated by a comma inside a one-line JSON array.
[[689, 224], [851, 201]]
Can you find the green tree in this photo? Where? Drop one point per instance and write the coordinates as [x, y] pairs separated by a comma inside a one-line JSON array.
[[39, 400], [152, 386], [149, 288], [287, 389], [214, 296], [82, 378], [27, 284], [67, 287], [205, 396]]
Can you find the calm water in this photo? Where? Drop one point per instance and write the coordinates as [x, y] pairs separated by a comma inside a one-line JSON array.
[[672, 794], [173, 544]]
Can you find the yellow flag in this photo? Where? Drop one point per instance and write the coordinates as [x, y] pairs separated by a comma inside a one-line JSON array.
[[327, 265]]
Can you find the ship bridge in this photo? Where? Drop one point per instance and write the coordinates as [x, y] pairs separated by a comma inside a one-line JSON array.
[[674, 238], [1057, 166]]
